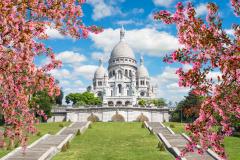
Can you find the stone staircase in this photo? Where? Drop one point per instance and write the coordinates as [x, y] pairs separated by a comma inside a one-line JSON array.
[[48, 145], [176, 142]]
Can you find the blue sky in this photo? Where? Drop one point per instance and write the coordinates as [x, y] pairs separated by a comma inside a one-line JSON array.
[[145, 36]]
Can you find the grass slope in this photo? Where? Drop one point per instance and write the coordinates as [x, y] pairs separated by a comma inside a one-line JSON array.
[[114, 141], [43, 128], [232, 144]]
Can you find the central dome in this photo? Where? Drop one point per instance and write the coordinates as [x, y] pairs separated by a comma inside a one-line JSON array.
[[122, 49]]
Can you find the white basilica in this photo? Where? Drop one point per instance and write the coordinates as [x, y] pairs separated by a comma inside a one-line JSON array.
[[125, 82]]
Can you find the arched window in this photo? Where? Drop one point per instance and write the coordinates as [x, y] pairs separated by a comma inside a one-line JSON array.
[[119, 88], [99, 94], [113, 73], [128, 92], [130, 73], [126, 72], [110, 74], [99, 83], [119, 74]]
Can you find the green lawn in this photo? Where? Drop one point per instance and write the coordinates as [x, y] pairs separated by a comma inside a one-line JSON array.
[[114, 141], [43, 128], [232, 144]]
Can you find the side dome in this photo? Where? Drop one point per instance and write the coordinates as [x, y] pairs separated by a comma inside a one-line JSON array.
[[122, 49], [142, 70], [100, 72]]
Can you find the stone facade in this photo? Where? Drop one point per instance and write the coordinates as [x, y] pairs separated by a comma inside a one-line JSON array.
[[105, 114], [125, 81]]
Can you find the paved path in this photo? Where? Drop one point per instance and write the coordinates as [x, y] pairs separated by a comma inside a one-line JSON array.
[[176, 142], [48, 145]]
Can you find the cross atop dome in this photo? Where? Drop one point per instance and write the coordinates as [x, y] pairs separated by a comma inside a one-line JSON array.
[[122, 33], [100, 62], [141, 60]]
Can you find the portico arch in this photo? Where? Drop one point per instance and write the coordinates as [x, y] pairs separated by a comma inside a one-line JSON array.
[[110, 103], [127, 103], [119, 103]]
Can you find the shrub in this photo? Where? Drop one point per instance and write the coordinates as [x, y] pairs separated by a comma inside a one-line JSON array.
[[39, 134], [172, 126], [161, 146], [64, 148], [93, 118], [16, 144], [67, 145], [90, 126], [50, 133], [78, 132], [61, 125], [143, 125], [9, 146], [142, 118], [151, 131], [118, 118]]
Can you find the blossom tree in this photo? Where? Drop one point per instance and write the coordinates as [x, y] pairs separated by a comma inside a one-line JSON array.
[[22, 27], [207, 47]]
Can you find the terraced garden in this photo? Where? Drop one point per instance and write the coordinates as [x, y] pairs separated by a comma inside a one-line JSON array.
[[114, 141]]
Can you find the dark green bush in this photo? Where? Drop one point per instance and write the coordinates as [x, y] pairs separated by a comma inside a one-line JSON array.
[[151, 131], [161, 146], [64, 148], [61, 125], [78, 132], [143, 125], [67, 145], [39, 134]]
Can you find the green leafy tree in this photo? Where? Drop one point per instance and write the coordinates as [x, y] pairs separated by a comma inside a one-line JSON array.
[[85, 98], [73, 97], [43, 101], [160, 102], [59, 98], [188, 109], [142, 102]]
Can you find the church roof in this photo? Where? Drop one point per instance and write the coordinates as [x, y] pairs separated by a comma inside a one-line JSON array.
[[122, 49], [142, 70]]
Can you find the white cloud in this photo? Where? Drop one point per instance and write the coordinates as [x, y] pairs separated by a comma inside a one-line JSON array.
[[201, 9], [86, 71], [214, 75], [53, 33], [61, 73], [125, 22], [145, 41], [101, 9], [165, 3], [78, 83], [99, 55], [167, 83], [70, 57], [229, 32]]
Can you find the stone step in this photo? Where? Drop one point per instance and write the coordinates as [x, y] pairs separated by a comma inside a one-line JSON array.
[[42, 146]]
